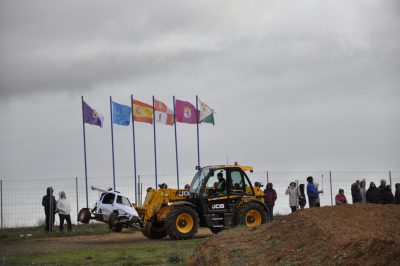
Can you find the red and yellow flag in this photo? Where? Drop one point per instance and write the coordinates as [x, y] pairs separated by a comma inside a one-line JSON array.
[[163, 114], [142, 112]]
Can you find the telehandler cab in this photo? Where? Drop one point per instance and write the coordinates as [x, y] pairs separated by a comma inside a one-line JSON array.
[[220, 197]]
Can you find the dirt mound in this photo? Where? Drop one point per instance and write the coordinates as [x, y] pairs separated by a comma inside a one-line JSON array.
[[361, 234]]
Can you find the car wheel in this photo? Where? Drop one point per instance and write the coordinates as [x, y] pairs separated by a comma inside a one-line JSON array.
[[84, 216], [112, 223]]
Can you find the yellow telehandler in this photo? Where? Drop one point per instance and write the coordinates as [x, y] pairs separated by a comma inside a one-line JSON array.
[[220, 196]]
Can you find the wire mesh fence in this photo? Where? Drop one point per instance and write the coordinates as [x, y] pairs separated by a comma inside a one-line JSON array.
[[20, 200]]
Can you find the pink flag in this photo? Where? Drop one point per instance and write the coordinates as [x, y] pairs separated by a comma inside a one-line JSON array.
[[186, 112]]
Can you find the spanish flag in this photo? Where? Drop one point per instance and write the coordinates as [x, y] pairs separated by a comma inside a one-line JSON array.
[[142, 112]]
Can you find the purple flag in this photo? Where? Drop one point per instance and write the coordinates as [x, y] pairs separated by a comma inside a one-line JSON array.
[[91, 116], [186, 112]]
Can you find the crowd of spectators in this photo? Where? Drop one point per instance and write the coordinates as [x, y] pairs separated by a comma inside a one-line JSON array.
[[359, 194]]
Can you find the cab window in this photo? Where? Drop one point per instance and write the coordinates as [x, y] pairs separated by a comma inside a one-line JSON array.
[[216, 184], [108, 198], [238, 185], [123, 201]]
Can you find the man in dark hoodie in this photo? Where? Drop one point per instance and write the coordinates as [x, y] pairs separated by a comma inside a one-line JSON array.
[[397, 194], [387, 195], [355, 192], [49, 204], [269, 199], [373, 194], [382, 188]]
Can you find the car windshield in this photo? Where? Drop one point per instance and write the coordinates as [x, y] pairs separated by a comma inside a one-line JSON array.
[[198, 180], [123, 200]]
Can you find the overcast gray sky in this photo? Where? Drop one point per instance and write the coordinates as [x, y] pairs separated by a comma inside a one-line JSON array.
[[304, 85]]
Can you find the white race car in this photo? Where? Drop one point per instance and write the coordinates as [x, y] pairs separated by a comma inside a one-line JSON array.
[[112, 208]]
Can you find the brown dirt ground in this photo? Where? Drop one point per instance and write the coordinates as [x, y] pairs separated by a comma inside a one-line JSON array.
[[361, 234], [30, 247]]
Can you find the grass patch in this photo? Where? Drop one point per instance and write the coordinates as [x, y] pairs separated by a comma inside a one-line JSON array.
[[165, 252], [22, 233]]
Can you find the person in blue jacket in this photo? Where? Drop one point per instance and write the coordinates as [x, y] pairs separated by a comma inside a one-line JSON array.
[[312, 193]]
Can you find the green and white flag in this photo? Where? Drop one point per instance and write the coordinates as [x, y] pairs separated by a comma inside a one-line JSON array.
[[206, 113]]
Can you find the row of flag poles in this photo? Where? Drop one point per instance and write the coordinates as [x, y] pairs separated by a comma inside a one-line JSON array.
[[157, 112]]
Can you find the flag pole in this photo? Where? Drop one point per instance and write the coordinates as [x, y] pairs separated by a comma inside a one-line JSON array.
[[112, 143], [176, 144], [198, 138], [155, 145], [84, 154], [134, 149]]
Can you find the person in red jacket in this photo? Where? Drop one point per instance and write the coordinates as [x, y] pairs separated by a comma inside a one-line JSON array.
[[269, 199], [340, 198]]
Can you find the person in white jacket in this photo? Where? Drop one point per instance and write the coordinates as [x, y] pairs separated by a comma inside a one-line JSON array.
[[64, 209], [294, 194]]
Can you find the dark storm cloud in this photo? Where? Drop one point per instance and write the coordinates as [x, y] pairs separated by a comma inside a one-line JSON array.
[[315, 83]]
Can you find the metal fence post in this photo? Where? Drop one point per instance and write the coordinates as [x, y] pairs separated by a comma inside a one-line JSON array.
[[267, 178], [141, 193], [390, 178], [1, 202], [77, 207], [330, 181]]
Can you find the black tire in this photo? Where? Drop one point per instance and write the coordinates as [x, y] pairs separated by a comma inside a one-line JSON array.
[[216, 230], [251, 214], [182, 223], [155, 230], [84, 215], [112, 222]]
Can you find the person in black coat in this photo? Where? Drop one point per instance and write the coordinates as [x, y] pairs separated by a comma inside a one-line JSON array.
[[302, 197], [355, 192], [387, 195], [397, 194], [49, 204], [382, 188], [373, 194]]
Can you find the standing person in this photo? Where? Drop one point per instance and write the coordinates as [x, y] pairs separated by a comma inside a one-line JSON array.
[[387, 195], [355, 192], [269, 199], [397, 194], [258, 187], [340, 198], [49, 204], [318, 200], [373, 194], [64, 209], [302, 197], [382, 188], [363, 191], [312, 193], [294, 194]]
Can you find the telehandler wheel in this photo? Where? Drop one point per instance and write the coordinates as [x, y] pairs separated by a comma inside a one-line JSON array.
[[112, 222], [251, 214], [84, 216], [182, 223], [155, 230]]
